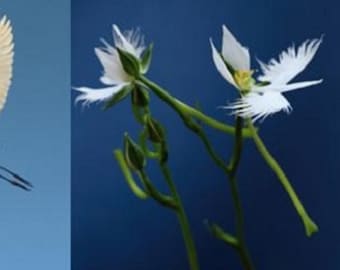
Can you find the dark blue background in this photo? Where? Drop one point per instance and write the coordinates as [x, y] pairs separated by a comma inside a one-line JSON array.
[[111, 229]]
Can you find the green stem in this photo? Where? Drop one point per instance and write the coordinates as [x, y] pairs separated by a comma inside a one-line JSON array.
[[187, 113], [183, 109], [242, 247], [162, 199], [173, 201], [143, 145], [310, 226], [194, 127], [183, 220], [226, 237], [234, 164], [128, 176]]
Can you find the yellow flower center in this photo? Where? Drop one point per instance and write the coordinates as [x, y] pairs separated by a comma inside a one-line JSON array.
[[244, 79]]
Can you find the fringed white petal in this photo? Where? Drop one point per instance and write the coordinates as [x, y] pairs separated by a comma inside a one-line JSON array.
[[291, 62], [258, 106], [298, 85], [90, 95], [113, 69], [233, 52], [6, 58], [284, 88], [220, 65], [131, 41]]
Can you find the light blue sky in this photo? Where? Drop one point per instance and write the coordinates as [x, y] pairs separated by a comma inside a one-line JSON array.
[[35, 138]]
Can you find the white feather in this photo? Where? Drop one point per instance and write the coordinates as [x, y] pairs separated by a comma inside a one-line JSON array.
[[6, 58]]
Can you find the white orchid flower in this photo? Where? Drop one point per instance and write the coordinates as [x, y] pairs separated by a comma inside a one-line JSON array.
[[114, 75], [262, 97], [6, 58]]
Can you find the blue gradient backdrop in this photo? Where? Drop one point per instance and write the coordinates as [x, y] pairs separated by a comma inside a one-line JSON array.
[[35, 139], [114, 230]]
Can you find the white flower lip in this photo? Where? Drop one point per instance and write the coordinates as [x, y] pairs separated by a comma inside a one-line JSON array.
[[259, 106], [6, 58], [262, 101], [114, 75]]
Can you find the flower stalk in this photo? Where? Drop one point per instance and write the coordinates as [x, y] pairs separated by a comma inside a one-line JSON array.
[[160, 146], [233, 167], [230, 171], [183, 220], [185, 110], [165, 200], [139, 192], [172, 201], [309, 224], [155, 133]]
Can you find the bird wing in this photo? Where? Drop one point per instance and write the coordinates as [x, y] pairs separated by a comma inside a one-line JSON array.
[[6, 58]]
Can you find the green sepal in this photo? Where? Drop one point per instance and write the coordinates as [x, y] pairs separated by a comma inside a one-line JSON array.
[[133, 154], [146, 58], [129, 62], [140, 96], [118, 97]]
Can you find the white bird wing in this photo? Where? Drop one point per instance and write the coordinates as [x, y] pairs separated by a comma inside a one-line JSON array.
[[290, 63], [6, 58]]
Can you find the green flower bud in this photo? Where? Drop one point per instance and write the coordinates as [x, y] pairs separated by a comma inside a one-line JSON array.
[[140, 96], [133, 154], [155, 130]]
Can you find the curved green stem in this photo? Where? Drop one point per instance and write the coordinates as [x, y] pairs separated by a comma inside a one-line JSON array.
[[310, 226], [183, 109], [183, 220], [163, 199], [174, 201], [226, 237], [128, 176], [234, 164], [143, 145], [218, 161]]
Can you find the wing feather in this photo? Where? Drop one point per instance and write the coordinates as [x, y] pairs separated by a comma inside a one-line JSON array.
[[6, 58]]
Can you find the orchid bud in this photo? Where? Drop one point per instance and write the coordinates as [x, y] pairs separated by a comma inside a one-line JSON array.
[[140, 96], [155, 130], [133, 154]]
